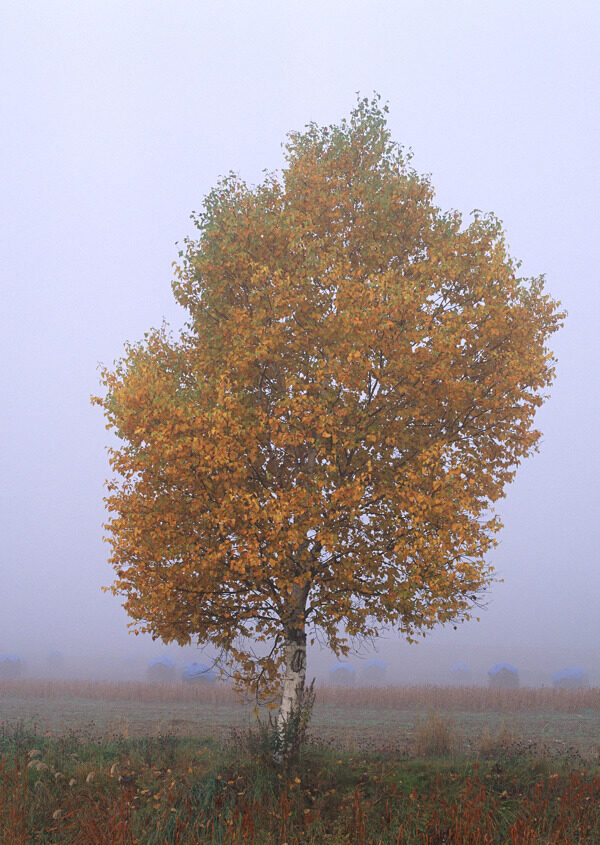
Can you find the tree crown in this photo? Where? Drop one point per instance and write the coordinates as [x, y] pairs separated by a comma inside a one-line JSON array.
[[321, 446]]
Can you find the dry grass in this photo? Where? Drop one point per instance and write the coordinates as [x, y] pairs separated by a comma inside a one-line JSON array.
[[477, 699], [213, 694], [435, 736], [165, 791], [491, 744], [360, 719], [430, 697], [486, 766]]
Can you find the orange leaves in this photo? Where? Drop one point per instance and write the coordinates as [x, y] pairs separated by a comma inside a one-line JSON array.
[[356, 387]]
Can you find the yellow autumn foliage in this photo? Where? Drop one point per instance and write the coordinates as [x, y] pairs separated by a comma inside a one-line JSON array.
[[320, 449]]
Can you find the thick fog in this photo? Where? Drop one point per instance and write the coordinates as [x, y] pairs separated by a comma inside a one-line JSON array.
[[118, 117]]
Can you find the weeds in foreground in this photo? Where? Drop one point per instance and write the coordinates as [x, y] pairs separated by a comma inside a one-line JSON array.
[[168, 790], [270, 745], [495, 744], [435, 736]]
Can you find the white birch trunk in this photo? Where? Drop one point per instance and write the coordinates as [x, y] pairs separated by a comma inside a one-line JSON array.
[[293, 687]]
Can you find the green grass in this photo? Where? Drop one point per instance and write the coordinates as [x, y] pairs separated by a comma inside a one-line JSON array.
[[129, 763], [169, 789], [359, 720]]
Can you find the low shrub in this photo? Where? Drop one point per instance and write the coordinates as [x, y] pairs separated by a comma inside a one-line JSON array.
[[435, 736]]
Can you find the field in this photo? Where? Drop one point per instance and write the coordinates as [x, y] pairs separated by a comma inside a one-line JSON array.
[[179, 764], [355, 719]]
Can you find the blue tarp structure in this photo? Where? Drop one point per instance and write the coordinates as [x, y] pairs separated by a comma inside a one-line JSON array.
[[461, 669], [570, 677], [162, 661], [198, 673], [161, 668], [342, 667], [503, 675], [498, 667], [375, 663], [373, 672], [461, 673], [342, 673], [10, 666]]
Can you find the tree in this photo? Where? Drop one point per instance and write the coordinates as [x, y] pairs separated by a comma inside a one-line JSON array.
[[318, 451]]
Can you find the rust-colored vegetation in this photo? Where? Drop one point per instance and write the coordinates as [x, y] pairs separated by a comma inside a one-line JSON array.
[[167, 790]]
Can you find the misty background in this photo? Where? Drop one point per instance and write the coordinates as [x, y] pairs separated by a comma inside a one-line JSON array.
[[118, 116]]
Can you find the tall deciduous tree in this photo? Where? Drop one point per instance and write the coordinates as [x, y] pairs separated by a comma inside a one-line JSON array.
[[318, 451]]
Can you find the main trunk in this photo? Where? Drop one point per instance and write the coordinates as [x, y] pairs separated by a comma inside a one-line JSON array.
[[290, 727], [295, 677], [289, 721]]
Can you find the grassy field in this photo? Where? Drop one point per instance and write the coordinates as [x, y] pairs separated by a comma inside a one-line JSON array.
[[373, 719], [87, 763]]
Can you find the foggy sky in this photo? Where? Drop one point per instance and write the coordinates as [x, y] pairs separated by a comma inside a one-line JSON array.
[[118, 116]]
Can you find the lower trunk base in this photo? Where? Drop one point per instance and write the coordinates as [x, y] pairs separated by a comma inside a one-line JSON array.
[[292, 718]]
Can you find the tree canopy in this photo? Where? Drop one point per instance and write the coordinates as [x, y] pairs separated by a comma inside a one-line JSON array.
[[318, 452]]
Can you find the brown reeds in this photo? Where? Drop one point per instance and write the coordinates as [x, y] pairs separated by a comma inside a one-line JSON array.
[[424, 697], [119, 691], [461, 698], [13, 802], [434, 736], [228, 796]]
